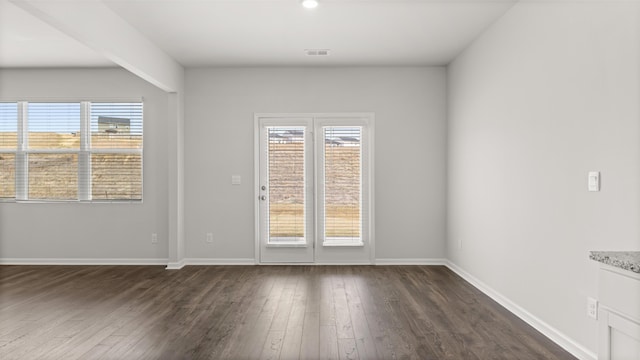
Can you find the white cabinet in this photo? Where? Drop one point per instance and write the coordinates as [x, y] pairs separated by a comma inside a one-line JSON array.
[[618, 314]]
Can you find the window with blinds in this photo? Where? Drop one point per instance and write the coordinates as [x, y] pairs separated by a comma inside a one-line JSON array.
[[8, 147], [342, 180], [53, 133], [286, 174], [71, 150], [116, 151]]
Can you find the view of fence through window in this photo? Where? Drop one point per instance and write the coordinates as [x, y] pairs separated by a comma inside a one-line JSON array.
[[286, 169], [57, 158]]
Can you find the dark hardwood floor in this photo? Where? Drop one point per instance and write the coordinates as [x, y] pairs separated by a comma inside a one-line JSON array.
[[256, 312]]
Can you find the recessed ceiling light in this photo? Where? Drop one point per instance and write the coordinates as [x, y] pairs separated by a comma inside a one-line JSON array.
[[310, 4]]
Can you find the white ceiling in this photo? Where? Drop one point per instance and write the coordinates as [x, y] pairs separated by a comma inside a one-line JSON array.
[[267, 32], [26, 41]]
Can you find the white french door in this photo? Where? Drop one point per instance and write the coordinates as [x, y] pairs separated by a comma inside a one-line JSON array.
[[314, 188], [285, 197]]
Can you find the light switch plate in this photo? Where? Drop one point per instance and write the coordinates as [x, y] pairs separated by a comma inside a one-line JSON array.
[[592, 308], [594, 181], [236, 180]]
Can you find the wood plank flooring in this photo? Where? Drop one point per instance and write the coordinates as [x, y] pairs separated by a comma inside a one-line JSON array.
[[256, 312]]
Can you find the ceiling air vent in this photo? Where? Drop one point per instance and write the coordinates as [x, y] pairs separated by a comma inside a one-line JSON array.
[[316, 52]]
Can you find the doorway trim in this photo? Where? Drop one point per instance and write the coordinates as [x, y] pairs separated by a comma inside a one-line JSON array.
[[371, 176]]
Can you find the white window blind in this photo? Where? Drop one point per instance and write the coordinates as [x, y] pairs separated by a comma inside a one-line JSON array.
[[53, 147], [71, 151], [116, 151], [286, 174], [8, 146], [342, 184]]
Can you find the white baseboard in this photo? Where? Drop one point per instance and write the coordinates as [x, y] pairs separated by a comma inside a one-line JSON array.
[[424, 261], [80, 261], [343, 263], [176, 265], [221, 261], [547, 330]]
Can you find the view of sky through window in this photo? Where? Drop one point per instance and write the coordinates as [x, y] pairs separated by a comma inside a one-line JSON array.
[[64, 117]]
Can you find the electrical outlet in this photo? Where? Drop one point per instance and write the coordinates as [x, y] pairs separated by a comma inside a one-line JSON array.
[[592, 308], [154, 238], [209, 237], [594, 181]]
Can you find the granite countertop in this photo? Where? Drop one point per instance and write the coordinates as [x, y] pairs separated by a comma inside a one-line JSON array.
[[627, 260]]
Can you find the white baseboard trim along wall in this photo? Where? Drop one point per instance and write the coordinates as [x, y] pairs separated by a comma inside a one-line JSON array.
[[556, 336], [552, 333], [176, 265], [424, 261], [195, 261], [80, 261], [208, 261]]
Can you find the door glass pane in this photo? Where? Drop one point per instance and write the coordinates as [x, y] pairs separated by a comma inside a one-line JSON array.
[[342, 184], [286, 172]]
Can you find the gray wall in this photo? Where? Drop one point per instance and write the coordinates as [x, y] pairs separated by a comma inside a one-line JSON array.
[[409, 106], [105, 231], [547, 94]]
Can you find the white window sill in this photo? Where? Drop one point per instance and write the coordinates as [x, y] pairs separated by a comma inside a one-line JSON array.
[[13, 201], [285, 244], [342, 243]]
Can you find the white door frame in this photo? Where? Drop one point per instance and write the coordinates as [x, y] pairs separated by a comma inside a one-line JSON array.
[[370, 164]]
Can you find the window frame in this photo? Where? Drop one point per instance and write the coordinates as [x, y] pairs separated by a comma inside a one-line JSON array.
[[366, 171], [83, 153]]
